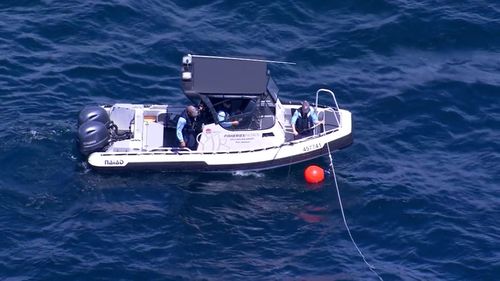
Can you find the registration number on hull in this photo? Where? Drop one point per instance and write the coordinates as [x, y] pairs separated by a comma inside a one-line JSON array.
[[312, 147]]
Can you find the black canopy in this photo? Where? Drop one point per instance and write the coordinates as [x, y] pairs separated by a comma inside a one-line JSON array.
[[220, 75]]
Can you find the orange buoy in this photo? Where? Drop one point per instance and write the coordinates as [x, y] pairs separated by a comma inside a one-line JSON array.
[[314, 174]]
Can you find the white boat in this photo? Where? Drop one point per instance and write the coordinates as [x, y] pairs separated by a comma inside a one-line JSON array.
[[137, 136]]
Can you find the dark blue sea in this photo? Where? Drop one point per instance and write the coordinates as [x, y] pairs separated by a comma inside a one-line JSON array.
[[420, 184]]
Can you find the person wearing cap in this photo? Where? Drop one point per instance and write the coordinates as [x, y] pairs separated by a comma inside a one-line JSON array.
[[188, 127], [223, 116], [303, 121]]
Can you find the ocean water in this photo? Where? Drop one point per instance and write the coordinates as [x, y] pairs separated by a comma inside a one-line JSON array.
[[420, 185]]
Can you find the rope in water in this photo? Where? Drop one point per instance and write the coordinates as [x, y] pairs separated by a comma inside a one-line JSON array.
[[371, 267]]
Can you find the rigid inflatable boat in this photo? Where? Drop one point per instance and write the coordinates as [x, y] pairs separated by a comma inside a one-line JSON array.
[[138, 136]]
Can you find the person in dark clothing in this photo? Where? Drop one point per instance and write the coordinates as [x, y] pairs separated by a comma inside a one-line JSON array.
[[188, 127], [303, 121]]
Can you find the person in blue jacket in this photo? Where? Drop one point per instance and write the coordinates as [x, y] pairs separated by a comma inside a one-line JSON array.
[[188, 127], [303, 121]]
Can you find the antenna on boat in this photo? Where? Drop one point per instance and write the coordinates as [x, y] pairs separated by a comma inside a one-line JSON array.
[[243, 59]]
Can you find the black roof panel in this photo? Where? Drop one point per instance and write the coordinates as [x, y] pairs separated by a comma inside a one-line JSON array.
[[216, 75]]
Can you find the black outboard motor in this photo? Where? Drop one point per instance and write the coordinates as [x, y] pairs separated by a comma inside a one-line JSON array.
[[93, 131], [93, 113], [93, 136]]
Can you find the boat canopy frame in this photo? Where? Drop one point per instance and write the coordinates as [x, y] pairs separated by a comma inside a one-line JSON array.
[[209, 80]]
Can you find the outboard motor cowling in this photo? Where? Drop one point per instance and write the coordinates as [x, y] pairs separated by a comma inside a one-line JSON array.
[[92, 136], [93, 113]]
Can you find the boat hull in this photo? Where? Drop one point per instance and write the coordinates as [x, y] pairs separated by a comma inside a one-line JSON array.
[[175, 159], [206, 166]]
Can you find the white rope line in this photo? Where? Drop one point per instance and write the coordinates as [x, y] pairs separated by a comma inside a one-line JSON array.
[[371, 267]]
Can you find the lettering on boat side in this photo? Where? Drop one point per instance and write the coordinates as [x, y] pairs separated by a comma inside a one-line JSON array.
[[241, 135], [312, 147], [242, 138], [113, 162]]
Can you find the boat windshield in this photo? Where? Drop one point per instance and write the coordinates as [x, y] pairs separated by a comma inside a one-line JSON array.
[[272, 89], [252, 113]]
